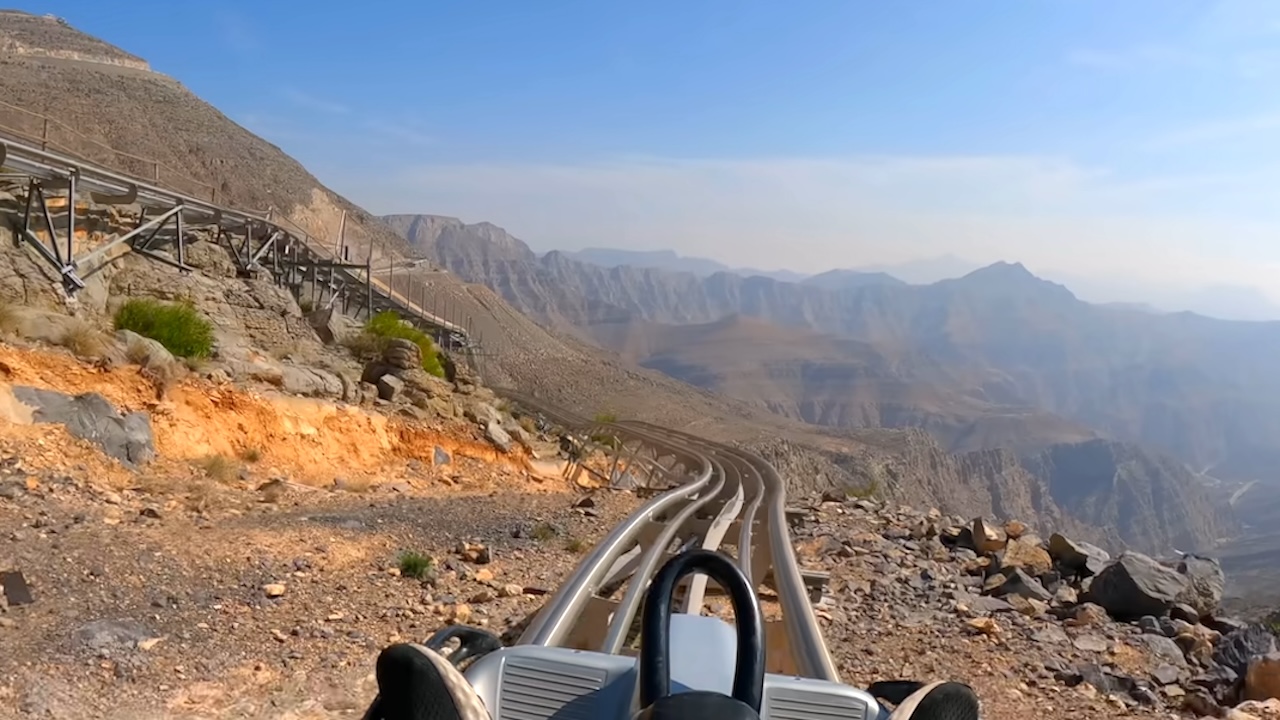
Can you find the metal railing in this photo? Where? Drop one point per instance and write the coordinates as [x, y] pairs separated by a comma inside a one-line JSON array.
[[85, 176], [50, 135]]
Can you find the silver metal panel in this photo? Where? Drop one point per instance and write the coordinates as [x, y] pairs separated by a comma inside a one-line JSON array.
[[545, 683], [533, 689], [787, 698]]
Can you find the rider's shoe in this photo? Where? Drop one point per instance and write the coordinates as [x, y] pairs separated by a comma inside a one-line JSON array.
[[935, 701], [415, 683]]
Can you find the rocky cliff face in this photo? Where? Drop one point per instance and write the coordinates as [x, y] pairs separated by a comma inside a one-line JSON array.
[[1115, 505], [1149, 500], [1197, 388], [976, 363]]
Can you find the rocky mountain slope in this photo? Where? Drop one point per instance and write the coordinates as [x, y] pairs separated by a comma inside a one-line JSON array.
[[957, 360], [835, 382], [1192, 386], [107, 103]]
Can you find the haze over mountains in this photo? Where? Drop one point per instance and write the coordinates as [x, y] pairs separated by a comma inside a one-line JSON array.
[[998, 358], [1217, 300]]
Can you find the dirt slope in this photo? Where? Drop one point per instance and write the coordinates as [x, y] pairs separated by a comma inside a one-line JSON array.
[[149, 585]]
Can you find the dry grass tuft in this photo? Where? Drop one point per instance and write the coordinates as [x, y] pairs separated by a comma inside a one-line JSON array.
[[84, 340]]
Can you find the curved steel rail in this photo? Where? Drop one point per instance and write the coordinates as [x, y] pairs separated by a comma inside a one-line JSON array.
[[731, 485]]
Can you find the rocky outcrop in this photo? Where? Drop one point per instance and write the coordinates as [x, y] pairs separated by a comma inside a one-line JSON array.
[[1144, 635], [88, 416]]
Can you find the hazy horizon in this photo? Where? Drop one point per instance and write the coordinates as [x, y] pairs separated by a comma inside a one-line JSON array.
[[1230, 302], [1097, 140]]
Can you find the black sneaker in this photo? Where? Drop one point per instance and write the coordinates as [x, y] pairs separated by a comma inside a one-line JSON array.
[[935, 701], [415, 683]]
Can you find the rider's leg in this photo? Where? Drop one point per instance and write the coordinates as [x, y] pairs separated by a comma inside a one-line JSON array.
[[939, 701], [415, 683]]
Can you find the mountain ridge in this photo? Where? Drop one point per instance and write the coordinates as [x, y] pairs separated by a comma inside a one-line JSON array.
[[788, 348], [1219, 301], [1014, 337]]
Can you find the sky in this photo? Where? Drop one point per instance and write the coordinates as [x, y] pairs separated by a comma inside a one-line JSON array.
[[1134, 140]]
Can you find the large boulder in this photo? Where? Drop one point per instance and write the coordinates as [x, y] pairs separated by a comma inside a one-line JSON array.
[[1135, 585], [1205, 583], [1078, 557], [1262, 679], [91, 417], [145, 351], [399, 358], [310, 382], [402, 354], [498, 436], [1236, 649], [1027, 554], [324, 322]]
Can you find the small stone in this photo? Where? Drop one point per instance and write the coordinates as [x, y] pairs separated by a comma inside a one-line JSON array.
[[460, 613], [145, 645], [1015, 529], [475, 553], [273, 590], [987, 539], [984, 625], [1090, 643], [1165, 674]]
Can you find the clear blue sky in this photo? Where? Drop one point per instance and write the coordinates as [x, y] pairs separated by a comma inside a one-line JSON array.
[[850, 130]]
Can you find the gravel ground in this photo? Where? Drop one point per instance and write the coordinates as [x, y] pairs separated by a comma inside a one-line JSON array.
[[144, 608]]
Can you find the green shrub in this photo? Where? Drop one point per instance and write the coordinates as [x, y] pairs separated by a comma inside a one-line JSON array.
[[387, 325], [606, 439], [219, 468], [179, 327], [416, 565]]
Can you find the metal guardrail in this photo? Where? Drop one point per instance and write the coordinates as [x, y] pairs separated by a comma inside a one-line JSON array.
[[84, 176], [727, 485], [51, 135]]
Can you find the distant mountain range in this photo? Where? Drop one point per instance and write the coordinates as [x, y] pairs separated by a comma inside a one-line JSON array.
[[1223, 301], [669, 260], [1111, 407]]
